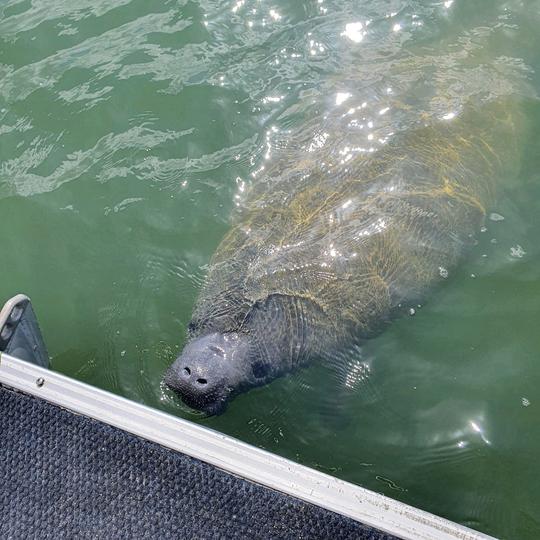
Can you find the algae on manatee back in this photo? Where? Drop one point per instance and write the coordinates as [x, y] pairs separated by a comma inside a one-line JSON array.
[[325, 253]]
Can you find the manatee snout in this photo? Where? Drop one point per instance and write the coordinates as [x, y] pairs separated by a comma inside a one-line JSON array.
[[210, 370]]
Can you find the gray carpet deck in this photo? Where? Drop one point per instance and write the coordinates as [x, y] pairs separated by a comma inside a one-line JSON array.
[[68, 476]]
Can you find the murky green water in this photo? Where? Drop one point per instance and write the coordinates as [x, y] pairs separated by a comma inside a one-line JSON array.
[[127, 131]]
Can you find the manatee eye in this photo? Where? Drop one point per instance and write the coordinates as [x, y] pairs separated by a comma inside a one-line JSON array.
[[218, 350], [259, 370]]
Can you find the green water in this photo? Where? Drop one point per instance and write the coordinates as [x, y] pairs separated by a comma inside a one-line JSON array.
[[128, 130]]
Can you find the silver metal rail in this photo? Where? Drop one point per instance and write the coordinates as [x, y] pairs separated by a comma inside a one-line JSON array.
[[231, 455]]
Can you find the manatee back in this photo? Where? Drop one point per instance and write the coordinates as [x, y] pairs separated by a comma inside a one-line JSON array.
[[359, 240]]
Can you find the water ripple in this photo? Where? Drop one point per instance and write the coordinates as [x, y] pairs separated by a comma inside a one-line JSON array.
[[128, 133]]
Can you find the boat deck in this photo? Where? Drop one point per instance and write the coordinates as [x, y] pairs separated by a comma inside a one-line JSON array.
[[65, 475]]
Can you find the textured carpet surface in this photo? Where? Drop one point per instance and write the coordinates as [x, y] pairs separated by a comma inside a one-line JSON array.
[[67, 476]]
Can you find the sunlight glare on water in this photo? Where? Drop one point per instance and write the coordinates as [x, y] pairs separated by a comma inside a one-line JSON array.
[[131, 131]]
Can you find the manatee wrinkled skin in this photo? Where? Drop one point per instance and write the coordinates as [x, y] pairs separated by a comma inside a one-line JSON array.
[[322, 256]]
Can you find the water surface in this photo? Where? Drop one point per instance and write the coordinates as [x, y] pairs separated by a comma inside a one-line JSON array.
[[129, 132]]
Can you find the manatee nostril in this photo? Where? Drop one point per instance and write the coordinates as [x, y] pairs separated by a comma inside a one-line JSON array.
[[202, 381], [187, 371]]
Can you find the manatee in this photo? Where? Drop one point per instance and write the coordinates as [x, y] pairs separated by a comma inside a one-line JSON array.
[[323, 256]]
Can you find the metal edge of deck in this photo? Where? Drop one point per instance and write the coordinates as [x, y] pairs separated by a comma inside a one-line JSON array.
[[232, 455]]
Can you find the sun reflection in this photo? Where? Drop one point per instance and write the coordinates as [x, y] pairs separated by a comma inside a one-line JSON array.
[[354, 31], [258, 171], [377, 226], [341, 97], [241, 186], [318, 141], [477, 429], [323, 9], [358, 373], [517, 252], [238, 5]]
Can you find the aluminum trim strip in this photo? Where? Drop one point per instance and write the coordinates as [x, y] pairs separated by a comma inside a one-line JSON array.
[[231, 455]]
